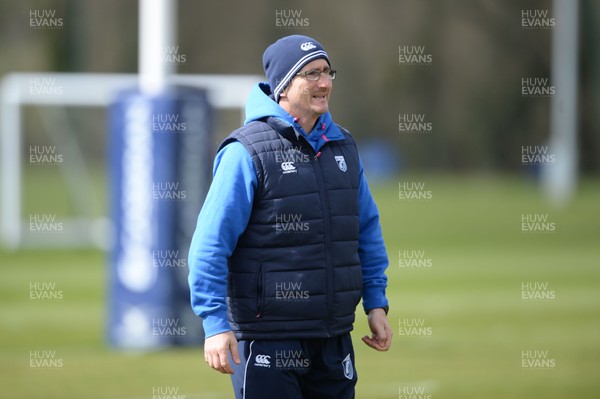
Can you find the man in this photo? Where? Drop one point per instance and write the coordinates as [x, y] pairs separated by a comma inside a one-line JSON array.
[[288, 240]]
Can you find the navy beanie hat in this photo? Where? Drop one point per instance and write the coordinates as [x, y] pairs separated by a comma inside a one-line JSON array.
[[283, 59]]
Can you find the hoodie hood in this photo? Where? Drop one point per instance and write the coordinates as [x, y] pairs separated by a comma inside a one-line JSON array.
[[260, 105]]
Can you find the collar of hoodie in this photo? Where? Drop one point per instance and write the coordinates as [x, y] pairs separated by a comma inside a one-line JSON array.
[[260, 105]]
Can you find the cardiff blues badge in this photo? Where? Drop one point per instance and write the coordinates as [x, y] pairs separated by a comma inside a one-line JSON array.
[[341, 162], [347, 365]]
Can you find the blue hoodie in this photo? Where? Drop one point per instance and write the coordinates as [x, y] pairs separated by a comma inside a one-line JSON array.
[[228, 205]]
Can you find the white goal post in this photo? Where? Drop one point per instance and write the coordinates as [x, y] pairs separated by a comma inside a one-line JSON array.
[[77, 90]]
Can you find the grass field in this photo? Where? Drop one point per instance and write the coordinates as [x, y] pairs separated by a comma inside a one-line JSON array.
[[475, 326]]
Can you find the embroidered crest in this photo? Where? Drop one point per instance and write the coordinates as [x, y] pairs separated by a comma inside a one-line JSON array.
[[348, 369], [341, 163]]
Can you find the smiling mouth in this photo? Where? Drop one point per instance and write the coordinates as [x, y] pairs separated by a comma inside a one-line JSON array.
[[322, 96]]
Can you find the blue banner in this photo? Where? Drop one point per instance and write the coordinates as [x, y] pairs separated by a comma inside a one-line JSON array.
[[160, 152]]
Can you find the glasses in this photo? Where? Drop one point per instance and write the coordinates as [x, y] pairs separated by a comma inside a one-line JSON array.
[[314, 74]]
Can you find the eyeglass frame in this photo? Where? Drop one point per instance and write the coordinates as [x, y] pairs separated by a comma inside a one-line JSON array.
[[327, 73]]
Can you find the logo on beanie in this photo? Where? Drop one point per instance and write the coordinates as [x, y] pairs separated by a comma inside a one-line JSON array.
[[307, 46]]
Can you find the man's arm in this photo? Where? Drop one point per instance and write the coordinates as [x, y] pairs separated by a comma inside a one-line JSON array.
[[374, 260], [223, 218]]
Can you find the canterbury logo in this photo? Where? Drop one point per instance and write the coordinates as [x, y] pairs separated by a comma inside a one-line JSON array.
[[288, 167], [262, 359], [307, 46]]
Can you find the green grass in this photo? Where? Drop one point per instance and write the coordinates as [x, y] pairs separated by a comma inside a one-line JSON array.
[[470, 297]]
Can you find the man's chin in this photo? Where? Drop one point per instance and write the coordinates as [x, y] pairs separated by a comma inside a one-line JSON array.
[[320, 109]]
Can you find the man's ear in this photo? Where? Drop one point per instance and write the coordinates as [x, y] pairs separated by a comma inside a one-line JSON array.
[[283, 93]]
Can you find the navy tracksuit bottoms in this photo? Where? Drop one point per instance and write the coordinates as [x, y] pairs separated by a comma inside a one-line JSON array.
[[320, 368]]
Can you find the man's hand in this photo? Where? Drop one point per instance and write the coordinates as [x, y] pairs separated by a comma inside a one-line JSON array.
[[216, 350], [381, 339]]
